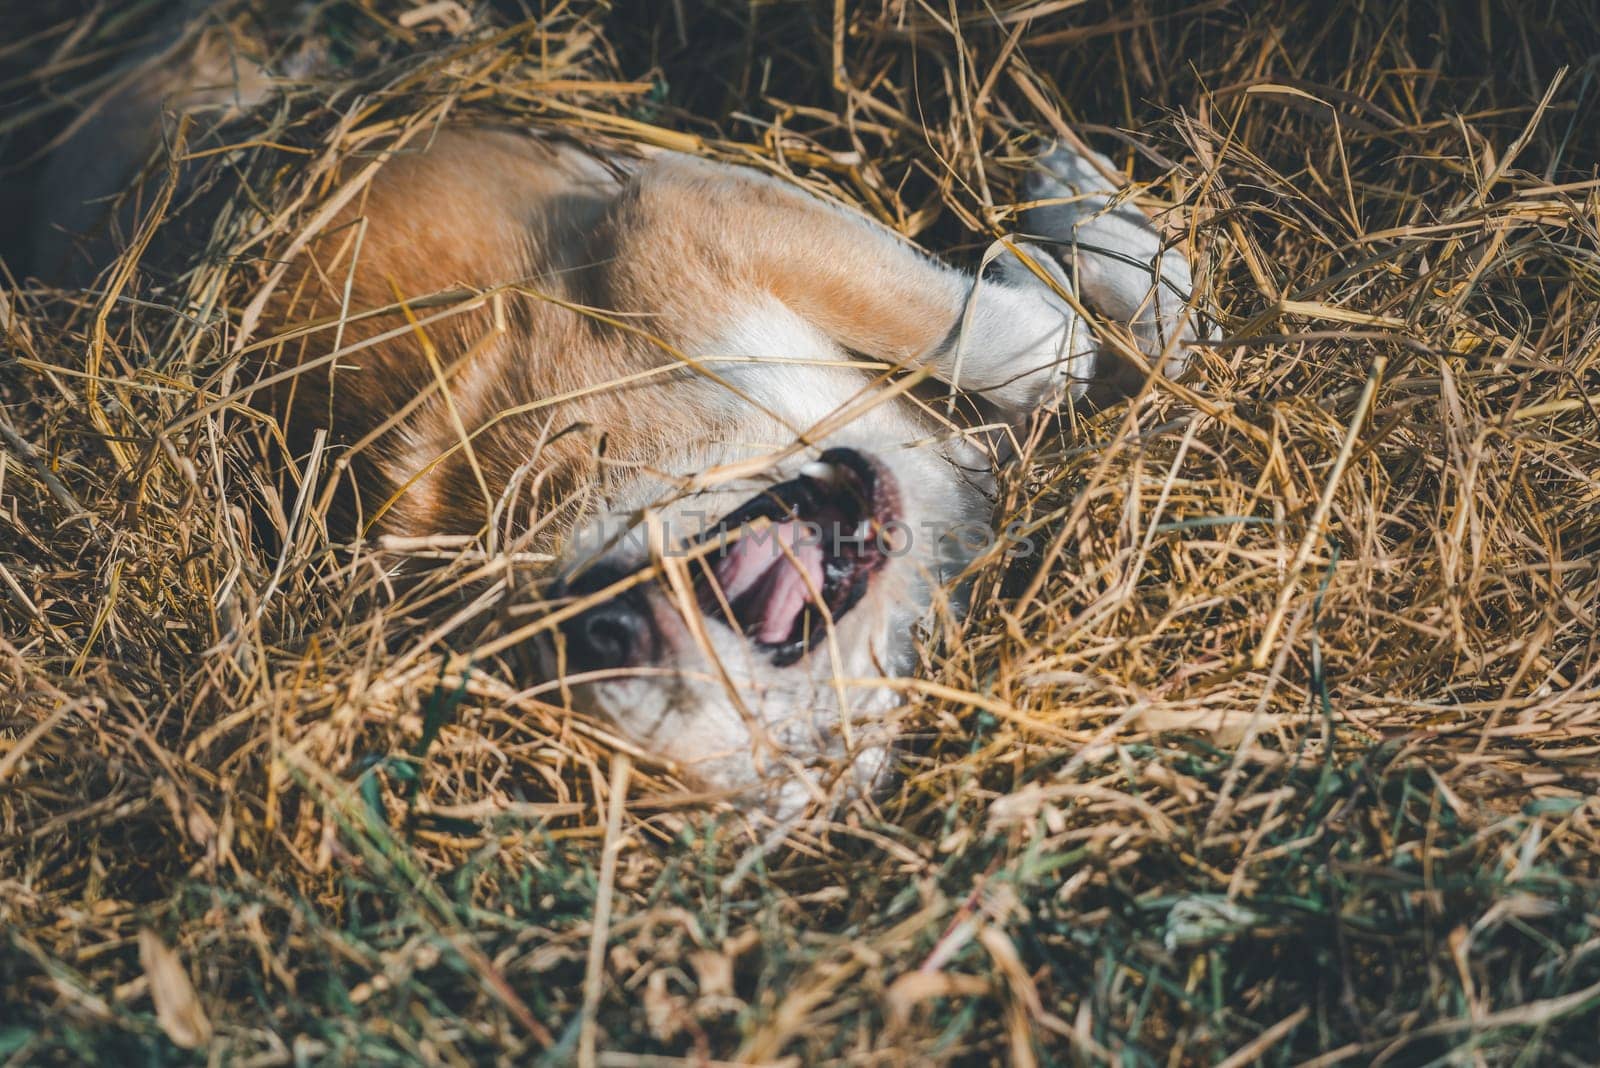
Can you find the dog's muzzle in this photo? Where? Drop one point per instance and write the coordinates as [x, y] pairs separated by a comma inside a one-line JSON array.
[[779, 570]]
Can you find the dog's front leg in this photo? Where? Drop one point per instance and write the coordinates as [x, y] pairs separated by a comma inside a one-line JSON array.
[[693, 246]]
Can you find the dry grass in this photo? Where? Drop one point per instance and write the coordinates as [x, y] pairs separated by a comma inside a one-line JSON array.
[[1281, 749]]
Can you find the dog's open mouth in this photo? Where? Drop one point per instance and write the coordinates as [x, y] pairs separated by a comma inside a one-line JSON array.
[[801, 552]]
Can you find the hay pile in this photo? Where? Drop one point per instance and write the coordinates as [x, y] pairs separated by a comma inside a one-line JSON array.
[[1280, 748]]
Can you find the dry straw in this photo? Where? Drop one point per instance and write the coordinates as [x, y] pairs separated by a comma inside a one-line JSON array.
[[1279, 748]]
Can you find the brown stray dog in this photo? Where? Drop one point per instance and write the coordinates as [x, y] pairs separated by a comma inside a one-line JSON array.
[[695, 384]]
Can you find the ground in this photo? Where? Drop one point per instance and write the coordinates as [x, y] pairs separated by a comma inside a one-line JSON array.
[[1279, 749]]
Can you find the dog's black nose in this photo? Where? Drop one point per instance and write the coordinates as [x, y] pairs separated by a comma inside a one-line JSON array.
[[612, 634]]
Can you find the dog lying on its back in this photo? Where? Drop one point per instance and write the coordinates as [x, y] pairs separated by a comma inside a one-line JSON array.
[[680, 384]]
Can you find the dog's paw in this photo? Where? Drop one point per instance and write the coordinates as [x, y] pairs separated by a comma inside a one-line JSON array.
[[1066, 187], [1119, 261], [1021, 344]]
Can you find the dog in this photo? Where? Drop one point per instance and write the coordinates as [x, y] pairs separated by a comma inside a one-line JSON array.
[[726, 406]]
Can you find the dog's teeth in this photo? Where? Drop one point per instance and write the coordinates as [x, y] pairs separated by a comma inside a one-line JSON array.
[[821, 472], [863, 532]]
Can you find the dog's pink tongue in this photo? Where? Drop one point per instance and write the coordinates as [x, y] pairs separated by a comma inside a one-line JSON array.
[[785, 592], [758, 564]]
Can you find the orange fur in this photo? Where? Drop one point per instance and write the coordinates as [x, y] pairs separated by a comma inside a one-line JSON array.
[[673, 251]]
